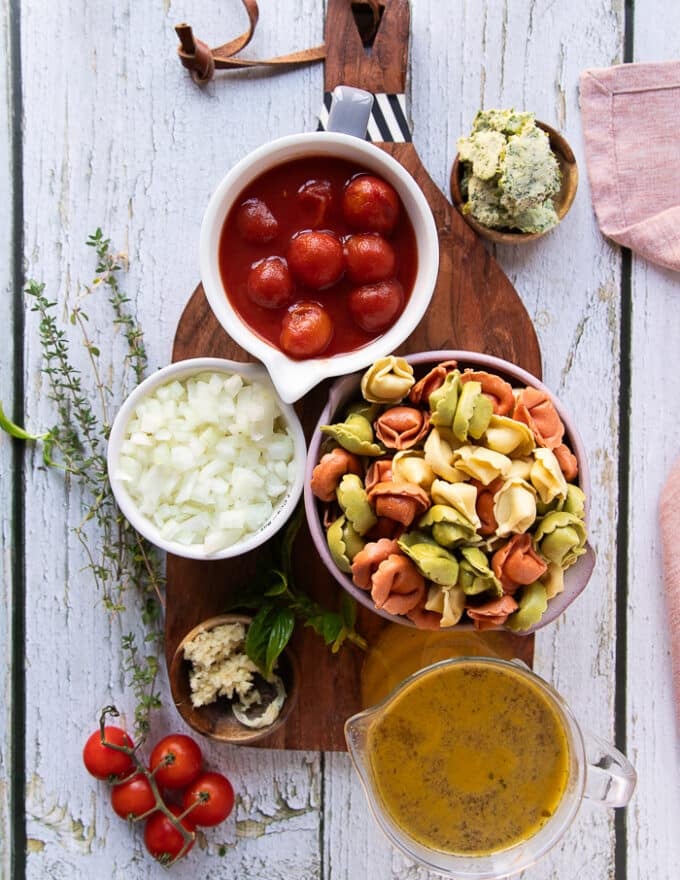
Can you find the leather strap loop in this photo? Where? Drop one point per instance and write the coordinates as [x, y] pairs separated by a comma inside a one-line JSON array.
[[202, 61]]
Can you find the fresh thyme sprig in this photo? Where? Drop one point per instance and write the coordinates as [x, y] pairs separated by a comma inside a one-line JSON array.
[[118, 558]]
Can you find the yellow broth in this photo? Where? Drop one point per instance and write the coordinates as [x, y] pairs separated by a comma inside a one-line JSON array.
[[470, 759]]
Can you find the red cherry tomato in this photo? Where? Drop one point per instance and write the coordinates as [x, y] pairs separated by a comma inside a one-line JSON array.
[[162, 839], [269, 283], [133, 798], [104, 762], [314, 199], [213, 796], [306, 331], [255, 222], [369, 204], [179, 760], [374, 307], [369, 257], [316, 258]]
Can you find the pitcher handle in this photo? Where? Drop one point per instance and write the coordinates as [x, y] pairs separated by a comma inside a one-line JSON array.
[[610, 777], [350, 111]]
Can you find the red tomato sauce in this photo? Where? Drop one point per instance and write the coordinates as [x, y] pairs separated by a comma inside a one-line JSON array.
[[278, 189]]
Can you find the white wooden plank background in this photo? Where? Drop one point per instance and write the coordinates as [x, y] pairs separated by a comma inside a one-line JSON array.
[[6, 395], [653, 737], [123, 139]]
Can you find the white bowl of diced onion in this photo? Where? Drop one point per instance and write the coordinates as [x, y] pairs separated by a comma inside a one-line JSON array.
[[205, 460]]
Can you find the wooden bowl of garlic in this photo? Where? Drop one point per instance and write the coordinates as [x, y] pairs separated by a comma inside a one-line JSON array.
[[221, 693]]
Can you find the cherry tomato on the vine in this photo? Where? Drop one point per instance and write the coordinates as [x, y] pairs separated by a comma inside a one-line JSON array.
[[179, 760], [213, 797], [104, 762], [162, 839], [133, 798]]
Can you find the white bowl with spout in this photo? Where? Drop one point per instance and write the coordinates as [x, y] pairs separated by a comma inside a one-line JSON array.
[[293, 378]]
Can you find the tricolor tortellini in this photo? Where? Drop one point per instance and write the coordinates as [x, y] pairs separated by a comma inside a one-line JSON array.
[[451, 493]]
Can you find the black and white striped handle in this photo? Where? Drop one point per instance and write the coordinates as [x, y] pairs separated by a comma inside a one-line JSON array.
[[387, 122]]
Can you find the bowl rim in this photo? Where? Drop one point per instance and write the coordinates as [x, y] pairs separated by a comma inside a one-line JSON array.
[[578, 574], [293, 378], [567, 161], [184, 369]]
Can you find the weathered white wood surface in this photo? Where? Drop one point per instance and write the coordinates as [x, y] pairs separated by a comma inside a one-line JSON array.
[[123, 139], [6, 395], [653, 737]]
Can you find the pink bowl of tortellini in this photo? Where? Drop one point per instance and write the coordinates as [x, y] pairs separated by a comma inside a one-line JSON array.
[[450, 488]]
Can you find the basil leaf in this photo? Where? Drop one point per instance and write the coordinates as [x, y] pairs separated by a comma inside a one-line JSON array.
[[281, 629], [332, 627], [257, 636]]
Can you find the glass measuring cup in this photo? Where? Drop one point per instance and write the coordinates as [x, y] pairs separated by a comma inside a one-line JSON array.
[[594, 770]]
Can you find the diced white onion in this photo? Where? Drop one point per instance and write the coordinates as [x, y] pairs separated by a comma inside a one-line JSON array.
[[207, 459]]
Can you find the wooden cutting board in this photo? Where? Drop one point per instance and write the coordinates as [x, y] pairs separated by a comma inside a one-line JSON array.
[[474, 307]]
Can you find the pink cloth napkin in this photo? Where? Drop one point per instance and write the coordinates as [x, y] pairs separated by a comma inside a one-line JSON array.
[[631, 122], [669, 512]]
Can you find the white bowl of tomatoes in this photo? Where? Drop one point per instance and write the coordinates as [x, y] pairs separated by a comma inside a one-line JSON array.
[[319, 254]]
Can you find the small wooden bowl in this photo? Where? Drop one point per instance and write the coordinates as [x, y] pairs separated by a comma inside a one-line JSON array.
[[216, 720], [563, 200]]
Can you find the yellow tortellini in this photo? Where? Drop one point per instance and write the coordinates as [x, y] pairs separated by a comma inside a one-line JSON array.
[[388, 380], [521, 468], [480, 463], [547, 477], [460, 496], [410, 466], [439, 455], [509, 437], [514, 507], [447, 601]]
